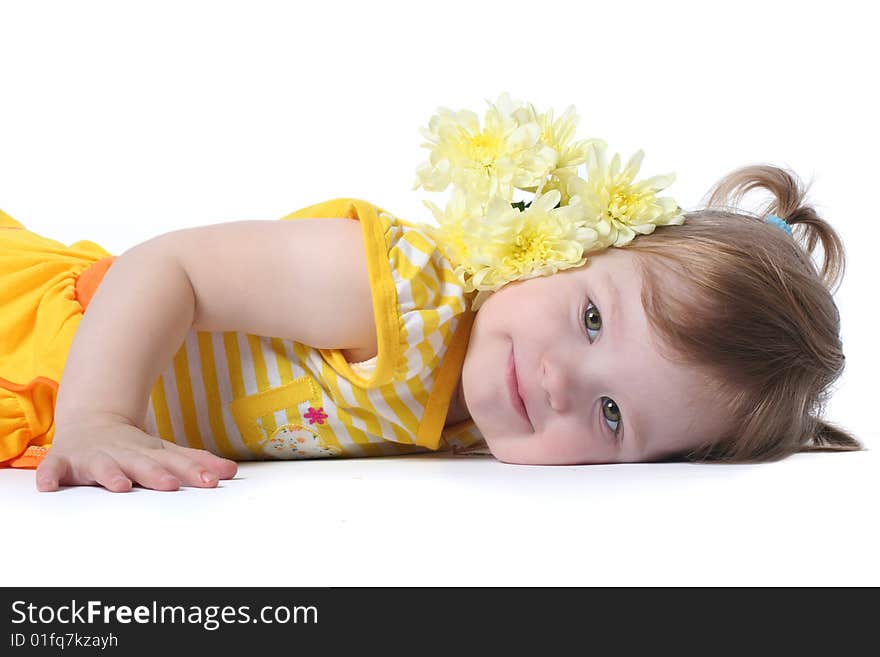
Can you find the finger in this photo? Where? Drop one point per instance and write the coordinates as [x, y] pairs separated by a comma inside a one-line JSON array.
[[106, 472], [145, 470], [50, 472], [187, 470], [221, 467]]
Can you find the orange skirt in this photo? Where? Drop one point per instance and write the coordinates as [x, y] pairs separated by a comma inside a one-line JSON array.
[[45, 288]]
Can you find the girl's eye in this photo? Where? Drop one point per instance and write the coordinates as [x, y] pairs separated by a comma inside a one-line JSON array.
[[593, 322], [611, 413], [592, 318]]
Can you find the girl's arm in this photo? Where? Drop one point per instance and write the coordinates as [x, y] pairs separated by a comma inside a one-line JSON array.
[[303, 280], [138, 318]]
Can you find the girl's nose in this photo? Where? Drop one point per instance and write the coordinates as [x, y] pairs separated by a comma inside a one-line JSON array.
[[556, 384]]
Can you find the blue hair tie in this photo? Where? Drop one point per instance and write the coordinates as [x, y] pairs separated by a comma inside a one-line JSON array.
[[779, 223]]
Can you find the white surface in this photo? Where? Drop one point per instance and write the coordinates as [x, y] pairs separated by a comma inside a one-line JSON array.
[[441, 520], [120, 121]]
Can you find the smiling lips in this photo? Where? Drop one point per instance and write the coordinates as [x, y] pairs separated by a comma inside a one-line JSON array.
[[513, 389]]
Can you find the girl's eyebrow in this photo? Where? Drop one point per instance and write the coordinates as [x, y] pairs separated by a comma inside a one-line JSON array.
[[617, 317]]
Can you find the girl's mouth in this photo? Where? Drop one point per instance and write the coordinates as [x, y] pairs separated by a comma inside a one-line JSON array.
[[514, 390]]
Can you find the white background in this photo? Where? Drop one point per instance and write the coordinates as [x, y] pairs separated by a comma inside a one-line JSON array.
[[123, 120]]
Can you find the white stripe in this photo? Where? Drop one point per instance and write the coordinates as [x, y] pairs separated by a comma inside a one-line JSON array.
[[416, 256], [173, 399], [451, 290], [347, 393], [280, 418], [414, 325], [435, 341], [405, 297], [224, 386], [150, 425], [270, 358], [274, 377], [385, 414], [435, 292], [248, 373], [415, 407]]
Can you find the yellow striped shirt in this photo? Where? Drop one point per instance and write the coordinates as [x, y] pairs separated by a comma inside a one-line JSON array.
[[246, 396]]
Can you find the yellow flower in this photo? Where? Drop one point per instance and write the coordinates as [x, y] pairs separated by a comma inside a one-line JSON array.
[[615, 206], [487, 161], [505, 244], [489, 241], [461, 212], [558, 180], [558, 134]]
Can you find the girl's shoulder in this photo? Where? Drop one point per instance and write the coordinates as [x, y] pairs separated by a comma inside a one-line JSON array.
[[426, 238]]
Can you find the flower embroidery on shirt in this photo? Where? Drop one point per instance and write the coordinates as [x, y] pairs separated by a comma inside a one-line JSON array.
[[316, 415], [294, 441]]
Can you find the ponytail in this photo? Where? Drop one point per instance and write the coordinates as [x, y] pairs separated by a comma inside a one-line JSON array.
[[788, 203], [828, 437]]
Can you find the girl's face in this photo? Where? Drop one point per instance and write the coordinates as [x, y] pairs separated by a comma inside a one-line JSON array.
[[593, 382]]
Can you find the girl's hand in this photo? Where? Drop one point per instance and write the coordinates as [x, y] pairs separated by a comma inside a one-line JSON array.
[[111, 453]]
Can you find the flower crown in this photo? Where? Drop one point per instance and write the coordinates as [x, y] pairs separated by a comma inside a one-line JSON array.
[[492, 240]]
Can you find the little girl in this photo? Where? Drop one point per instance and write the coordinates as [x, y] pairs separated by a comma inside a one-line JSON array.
[[713, 340]]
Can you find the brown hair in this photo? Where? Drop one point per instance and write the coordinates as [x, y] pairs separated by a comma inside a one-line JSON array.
[[754, 313]]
